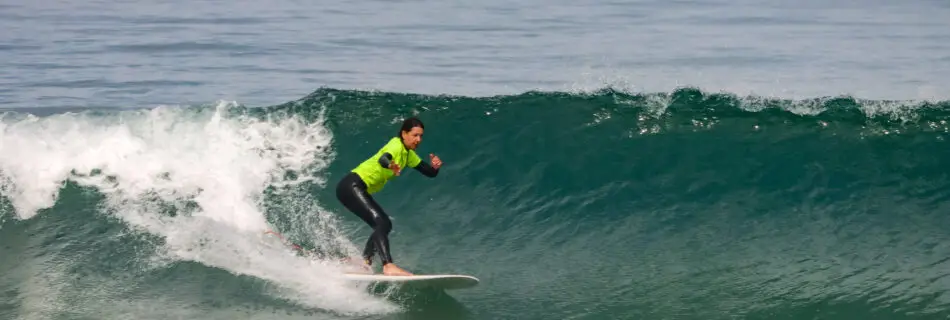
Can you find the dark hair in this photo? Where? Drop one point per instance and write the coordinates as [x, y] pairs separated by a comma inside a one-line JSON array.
[[408, 124]]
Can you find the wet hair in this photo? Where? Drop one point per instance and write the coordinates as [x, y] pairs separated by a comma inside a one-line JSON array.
[[408, 124]]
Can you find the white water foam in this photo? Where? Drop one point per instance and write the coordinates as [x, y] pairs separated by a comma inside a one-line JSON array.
[[145, 160]]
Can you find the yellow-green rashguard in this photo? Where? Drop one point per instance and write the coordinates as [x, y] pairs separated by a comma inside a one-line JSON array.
[[375, 171]]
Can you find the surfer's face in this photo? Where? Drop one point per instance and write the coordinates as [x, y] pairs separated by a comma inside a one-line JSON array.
[[412, 138]]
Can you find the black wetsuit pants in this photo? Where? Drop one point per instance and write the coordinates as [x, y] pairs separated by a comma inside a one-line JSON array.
[[351, 191]]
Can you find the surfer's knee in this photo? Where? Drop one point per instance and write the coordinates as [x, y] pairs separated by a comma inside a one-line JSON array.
[[383, 224]]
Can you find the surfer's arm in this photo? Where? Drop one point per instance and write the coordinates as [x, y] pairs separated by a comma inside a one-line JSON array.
[[427, 169], [386, 160]]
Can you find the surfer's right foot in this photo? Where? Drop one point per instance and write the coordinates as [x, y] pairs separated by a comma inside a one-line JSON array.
[[390, 269]]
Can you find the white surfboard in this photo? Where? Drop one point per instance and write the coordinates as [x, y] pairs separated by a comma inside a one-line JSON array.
[[441, 281]]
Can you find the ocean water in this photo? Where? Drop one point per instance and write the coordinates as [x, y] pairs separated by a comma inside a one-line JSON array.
[[603, 160]]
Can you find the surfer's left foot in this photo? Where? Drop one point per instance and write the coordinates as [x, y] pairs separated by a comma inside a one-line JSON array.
[[390, 269], [363, 265]]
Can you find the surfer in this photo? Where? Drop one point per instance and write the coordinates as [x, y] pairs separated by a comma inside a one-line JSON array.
[[354, 190]]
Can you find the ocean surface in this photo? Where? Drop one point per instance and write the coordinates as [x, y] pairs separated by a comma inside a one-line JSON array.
[[603, 160]]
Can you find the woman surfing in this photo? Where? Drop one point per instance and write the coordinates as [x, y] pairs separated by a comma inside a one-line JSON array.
[[356, 188]]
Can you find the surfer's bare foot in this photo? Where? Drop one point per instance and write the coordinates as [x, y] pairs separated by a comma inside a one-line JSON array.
[[390, 269]]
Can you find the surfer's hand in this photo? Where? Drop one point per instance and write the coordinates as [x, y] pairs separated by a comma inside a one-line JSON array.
[[395, 167], [436, 162]]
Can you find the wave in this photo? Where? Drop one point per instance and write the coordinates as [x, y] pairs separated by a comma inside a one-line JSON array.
[[712, 205]]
